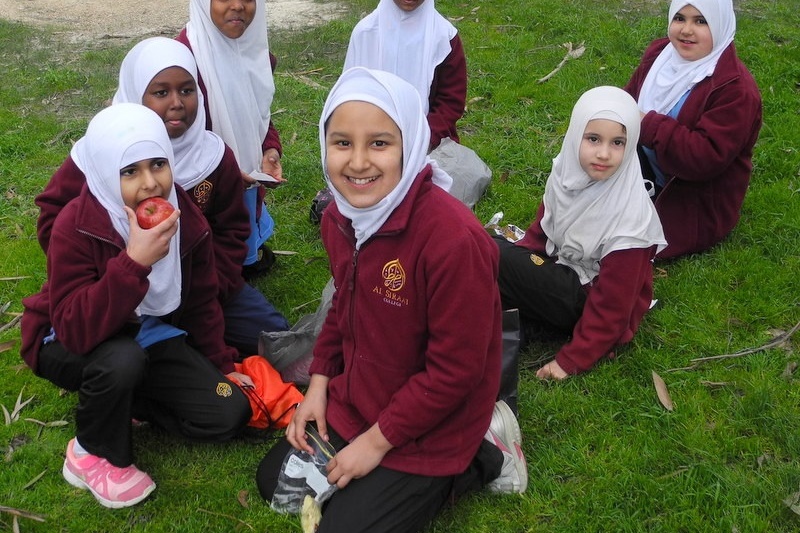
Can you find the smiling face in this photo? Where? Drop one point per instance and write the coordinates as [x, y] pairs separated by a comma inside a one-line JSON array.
[[172, 94], [232, 17], [363, 153], [690, 35], [145, 179], [602, 148]]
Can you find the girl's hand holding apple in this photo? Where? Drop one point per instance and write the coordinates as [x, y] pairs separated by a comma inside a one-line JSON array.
[[146, 246]]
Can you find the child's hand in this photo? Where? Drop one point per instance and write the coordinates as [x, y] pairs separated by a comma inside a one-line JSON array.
[[271, 164], [313, 407], [242, 379], [358, 458], [552, 370], [147, 246]]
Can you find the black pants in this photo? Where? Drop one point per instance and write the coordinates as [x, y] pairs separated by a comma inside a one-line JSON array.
[[386, 501], [544, 292], [169, 384]]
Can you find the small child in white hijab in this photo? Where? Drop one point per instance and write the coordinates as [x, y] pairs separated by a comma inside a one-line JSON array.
[[128, 316], [585, 264], [701, 115]]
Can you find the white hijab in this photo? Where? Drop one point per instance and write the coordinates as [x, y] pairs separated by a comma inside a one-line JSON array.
[[402, 103], [585, 220], [408, 44], [238, 80], [116, 137], [671, 76], [198, 151]]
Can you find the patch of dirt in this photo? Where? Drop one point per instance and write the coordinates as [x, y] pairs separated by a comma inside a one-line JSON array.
[[91, 19]]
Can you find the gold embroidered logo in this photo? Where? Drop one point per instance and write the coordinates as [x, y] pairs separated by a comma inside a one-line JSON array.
[[394, 277], [538, 261], [224, 389], [202, 194]]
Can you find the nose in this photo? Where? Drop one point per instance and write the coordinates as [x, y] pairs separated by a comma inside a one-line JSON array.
[[359, 159], [237, 5], [175, 100], [149, 181], [603, 151]]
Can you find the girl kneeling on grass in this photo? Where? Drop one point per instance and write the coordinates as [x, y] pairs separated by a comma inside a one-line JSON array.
[[129, 317], [585, 264], [406, 368]]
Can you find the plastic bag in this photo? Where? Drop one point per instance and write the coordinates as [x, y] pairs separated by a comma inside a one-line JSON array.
[[272, 401], [471, 176], [304, 474], [290, 351]]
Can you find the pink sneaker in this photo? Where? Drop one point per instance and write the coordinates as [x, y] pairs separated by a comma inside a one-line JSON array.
[[112, 486]]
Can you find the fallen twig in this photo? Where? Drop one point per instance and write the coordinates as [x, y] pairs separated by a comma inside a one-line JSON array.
[[21, 513], [571, 54], [14, 322], [230, 517], [777, 341]]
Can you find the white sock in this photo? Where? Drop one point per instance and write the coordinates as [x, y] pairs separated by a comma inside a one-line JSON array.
[[79, 450]]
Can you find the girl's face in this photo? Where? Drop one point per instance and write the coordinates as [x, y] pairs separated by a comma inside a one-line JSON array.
[[602, 148], [232, 17], [363, 153], [689, 34], [172, 94], [408, 5], [145, 179]]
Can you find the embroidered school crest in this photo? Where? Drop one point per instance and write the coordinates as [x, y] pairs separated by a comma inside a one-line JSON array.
[[202, 194], [224, 389], [538, 261], [394, 277]]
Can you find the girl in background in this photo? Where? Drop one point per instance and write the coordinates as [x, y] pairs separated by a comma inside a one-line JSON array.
[[701, 115], [229, 41]]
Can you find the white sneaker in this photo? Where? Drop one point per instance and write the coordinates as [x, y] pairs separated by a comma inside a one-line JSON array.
[[504, 433]]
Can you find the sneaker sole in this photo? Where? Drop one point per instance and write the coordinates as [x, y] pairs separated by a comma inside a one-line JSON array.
[[77, 482], [513, 430]]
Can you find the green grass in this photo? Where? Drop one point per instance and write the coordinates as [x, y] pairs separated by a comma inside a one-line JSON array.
[[603, 454]]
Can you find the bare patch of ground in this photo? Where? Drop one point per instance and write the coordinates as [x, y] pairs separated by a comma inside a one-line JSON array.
[[91, 19]]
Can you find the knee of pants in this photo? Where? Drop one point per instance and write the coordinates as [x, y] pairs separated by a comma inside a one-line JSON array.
[[119, 364], [235, 414]]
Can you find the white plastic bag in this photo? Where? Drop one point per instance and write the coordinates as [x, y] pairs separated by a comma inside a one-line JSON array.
[[471, 176]]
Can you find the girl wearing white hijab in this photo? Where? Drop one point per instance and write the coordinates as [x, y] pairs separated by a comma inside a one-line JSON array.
[[207, 170], [584, 265], [129, 317], [701, 115], [407, 365], [229, 41], [411, 39]]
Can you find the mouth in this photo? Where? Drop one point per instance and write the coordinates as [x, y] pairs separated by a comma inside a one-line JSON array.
[[360, 182]]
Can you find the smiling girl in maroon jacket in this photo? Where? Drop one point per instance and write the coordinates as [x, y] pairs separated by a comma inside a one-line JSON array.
[[406, 368], [701, 114]]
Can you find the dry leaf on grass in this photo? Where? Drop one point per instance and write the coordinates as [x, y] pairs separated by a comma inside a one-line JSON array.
[[793, 502], [663, 393], [242, 498]]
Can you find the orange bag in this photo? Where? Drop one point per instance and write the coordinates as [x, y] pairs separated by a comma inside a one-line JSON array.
[[272, 401]]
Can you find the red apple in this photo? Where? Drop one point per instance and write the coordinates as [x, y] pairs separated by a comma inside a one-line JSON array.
[[153, 211]]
